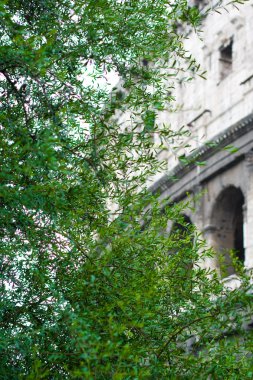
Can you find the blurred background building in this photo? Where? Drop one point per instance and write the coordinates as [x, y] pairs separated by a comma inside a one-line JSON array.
[[219, 114]]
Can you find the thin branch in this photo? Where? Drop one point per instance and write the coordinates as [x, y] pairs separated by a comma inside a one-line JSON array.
[[181, 329], [18, 94]]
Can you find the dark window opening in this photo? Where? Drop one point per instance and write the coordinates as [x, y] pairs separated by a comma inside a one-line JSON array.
[[182, 234], [226, 59], [120, 95], [184, 227], [198, 3], [145, 62]]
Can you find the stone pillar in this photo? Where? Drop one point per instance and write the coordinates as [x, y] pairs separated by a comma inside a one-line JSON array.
[[248, 212], [197, 217], [209, 234], [206, 230]]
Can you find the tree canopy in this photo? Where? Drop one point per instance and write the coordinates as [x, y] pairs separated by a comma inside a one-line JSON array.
[[91, 287]]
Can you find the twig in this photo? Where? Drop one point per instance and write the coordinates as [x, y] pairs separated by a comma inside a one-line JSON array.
[[182, 329], [17, 92]]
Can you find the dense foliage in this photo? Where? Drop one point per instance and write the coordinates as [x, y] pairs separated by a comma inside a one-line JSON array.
[[91, 287]]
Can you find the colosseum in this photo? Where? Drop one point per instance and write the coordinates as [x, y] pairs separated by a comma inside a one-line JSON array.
[[219, 114]]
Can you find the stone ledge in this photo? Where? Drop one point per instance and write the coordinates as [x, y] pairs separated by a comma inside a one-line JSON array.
[[206, 151]]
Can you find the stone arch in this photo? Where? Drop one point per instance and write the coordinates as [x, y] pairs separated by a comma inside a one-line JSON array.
[[227, 224], [182, 227], [182, 231]]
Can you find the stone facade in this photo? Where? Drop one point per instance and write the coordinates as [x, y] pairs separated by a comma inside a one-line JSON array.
[[219, 113]]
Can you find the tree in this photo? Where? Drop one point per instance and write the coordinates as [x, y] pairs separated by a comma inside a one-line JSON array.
[[88, 287]]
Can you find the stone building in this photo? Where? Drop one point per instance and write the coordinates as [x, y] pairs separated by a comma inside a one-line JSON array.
[[219, 114]]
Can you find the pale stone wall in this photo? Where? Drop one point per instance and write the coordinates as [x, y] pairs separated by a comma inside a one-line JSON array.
[[218, 110], [210, 106]]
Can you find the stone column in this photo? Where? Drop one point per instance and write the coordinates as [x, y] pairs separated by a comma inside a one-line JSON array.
[[248, 212], [209, 234], [206, 230]]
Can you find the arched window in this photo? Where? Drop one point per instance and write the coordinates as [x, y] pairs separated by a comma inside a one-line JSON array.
[[227, 218], [184, 227], [182, 233]]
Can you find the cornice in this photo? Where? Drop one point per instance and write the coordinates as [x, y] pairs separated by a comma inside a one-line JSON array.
[[209, 149]]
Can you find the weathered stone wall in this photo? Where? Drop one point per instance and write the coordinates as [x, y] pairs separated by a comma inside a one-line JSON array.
[[218, 110]]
